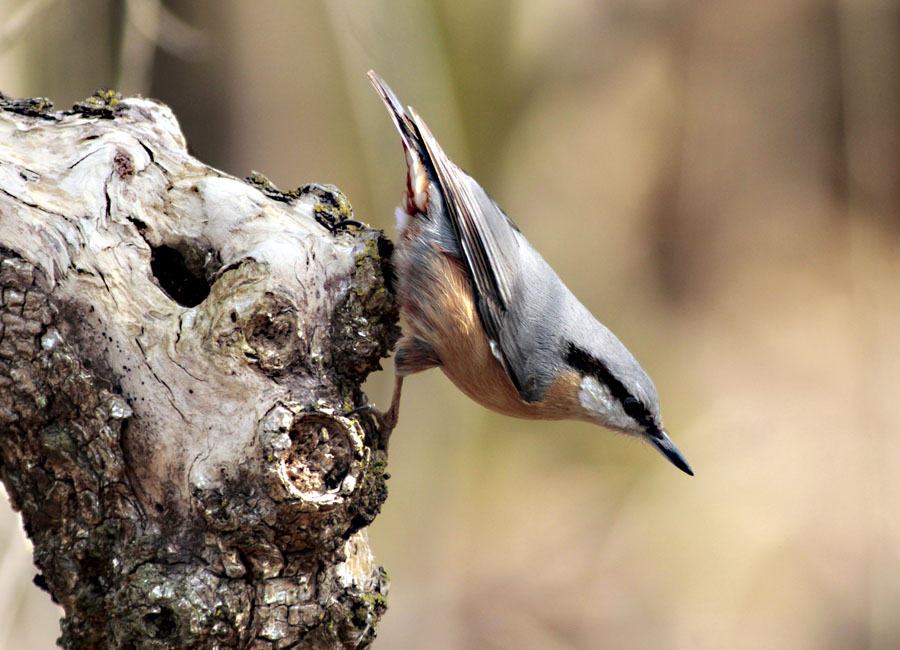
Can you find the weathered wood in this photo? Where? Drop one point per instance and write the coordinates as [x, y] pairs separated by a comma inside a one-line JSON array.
[[179, 354]]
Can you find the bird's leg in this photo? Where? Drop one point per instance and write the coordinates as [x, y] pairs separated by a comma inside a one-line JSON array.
[[411, 355], [386, 420]]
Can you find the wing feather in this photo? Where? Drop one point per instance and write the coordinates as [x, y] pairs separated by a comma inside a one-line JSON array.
[[487, 240]]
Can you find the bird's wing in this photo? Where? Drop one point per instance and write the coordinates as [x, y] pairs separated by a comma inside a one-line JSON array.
[[489, 246]]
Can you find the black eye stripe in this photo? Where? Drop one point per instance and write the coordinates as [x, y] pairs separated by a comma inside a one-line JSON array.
[[590, 365]]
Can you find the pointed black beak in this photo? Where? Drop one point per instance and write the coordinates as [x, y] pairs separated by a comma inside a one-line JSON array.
[[667, 448]]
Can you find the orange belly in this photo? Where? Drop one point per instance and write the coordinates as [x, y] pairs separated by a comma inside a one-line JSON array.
[[447, 321]]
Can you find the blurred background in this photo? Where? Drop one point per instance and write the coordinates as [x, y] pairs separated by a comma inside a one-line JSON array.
[[719, 182]]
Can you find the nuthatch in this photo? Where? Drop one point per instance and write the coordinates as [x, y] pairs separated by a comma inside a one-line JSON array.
[[477, 301]]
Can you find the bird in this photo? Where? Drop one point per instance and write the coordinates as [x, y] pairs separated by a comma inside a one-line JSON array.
[[479, 302]]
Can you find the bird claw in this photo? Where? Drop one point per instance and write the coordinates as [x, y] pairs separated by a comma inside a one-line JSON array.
[[385, 420]]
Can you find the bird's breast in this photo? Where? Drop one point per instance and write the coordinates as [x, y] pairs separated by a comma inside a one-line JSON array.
[[438, 307]]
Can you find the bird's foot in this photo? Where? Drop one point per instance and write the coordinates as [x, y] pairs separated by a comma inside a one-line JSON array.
[[385, 420]]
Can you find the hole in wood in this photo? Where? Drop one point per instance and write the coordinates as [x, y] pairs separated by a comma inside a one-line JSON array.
[[320, 455], [161, 625], [183, 284]]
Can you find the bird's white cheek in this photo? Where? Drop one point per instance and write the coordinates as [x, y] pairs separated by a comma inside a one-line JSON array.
[[596, 399]]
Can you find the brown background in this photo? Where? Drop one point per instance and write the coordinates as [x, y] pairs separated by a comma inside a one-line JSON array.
[[718, 181]]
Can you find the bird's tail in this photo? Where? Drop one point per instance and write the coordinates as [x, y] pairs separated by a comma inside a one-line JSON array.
[[407, 128], [419, 166]]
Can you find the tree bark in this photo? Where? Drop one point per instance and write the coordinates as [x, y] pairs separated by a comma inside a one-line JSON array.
[[180, 353]]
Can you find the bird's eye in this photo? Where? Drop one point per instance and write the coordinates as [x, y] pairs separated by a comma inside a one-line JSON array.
[[633, 407]]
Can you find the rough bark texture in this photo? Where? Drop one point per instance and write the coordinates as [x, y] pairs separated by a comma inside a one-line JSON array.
[[179, 352]]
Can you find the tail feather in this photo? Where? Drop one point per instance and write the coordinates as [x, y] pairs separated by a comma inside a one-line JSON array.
[[402, 121], [419, 168]]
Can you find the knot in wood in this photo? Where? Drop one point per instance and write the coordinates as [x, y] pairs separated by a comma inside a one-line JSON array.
[[316, 459], [319, 460], [271, 332]]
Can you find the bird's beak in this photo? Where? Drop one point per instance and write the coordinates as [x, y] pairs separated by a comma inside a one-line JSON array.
[[667, 448]]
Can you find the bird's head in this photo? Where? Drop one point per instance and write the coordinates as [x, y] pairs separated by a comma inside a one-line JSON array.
[[616, 393]]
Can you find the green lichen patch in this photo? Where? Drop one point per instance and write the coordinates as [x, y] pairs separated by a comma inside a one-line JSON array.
[[364, 325], [32, 106], [103, 103], [371, 493], [354, 617], [329, 200], [267, 187]]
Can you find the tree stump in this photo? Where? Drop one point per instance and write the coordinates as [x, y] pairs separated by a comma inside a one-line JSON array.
[[180, 355]]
